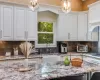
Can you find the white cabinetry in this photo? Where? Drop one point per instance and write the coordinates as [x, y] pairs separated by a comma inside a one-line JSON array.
[[94, 36], [94, 20], [31, 25], [82, 26], [62, 28], [72, 26], [0, 20], [94, 12], [19, 23], [25, 24], [6, 32], [67, 27]]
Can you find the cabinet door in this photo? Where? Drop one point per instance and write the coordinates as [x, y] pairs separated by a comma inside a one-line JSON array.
[[31, 25], [82, 27], [0, 21], [94, 36], [72, 26], [19, 23], [94, 13], [6, 22], [62, 28]]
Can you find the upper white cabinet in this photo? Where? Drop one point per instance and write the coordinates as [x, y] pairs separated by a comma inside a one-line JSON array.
[[31, 25], [0, 20], [72, 26], [67, 27], [94, 12], [82, 26], [19, 23], [25, 24], [62, 28], [6, 32], [94, 20]]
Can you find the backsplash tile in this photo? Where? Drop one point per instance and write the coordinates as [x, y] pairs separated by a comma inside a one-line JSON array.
[[72, 45], [8, 46], [47, 50]]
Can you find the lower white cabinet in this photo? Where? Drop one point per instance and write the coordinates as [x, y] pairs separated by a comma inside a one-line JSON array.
[[82, 26], [6, 31]]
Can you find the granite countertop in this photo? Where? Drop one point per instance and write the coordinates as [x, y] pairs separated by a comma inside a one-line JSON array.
[[2, 58], [9, 70]]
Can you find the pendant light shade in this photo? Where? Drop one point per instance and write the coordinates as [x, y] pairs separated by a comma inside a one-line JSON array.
[[66, 6], [33, 4]]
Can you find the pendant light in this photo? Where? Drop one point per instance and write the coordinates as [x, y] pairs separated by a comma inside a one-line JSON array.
[[33, 4], [66, 6]]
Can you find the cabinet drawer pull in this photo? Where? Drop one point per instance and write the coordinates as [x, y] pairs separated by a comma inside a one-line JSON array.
[[1, 33], [86, 36], [25, 34], [91, 36], [69, 35]]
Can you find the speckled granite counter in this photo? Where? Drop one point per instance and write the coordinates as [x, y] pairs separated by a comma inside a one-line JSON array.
[[35, 56], [9, 70]]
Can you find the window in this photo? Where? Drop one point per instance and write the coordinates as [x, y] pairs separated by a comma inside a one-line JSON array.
[[45, 33]]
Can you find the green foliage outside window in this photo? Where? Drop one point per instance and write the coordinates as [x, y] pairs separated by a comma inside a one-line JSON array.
[[45, 38], [45, 27]]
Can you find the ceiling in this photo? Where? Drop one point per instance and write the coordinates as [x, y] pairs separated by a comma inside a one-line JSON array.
[[77, 5]]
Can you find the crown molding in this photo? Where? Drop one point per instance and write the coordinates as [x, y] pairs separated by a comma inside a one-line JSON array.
[[93, 4]]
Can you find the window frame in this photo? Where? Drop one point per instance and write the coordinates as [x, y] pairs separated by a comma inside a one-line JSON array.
[[54, 36]]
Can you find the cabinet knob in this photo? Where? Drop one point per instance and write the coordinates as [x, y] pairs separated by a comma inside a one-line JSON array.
[[91, 36]]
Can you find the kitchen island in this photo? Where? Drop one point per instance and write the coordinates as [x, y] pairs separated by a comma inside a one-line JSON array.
[[9, 70]]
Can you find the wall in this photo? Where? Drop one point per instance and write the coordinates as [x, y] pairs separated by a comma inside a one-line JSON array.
[[47, 16]]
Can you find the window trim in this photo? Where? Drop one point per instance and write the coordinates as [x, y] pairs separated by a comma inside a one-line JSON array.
[[54, 37]]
